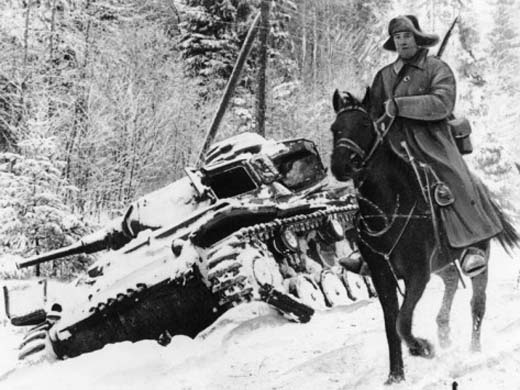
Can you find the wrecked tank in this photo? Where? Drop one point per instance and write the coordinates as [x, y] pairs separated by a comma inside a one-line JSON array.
[[257, 221]]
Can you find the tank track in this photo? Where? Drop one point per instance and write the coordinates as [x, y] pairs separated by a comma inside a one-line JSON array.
[[156, 312], [231, 276]]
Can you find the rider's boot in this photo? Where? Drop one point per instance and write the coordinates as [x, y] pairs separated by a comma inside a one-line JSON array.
[[355, 263]]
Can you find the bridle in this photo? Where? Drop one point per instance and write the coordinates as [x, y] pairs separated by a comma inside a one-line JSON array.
[[352, 146]]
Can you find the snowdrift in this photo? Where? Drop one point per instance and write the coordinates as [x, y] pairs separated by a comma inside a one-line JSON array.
[[252, 347]]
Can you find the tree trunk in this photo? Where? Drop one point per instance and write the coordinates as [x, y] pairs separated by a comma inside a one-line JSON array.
[[80, 105], [53, 31], [315, 48], [304, 38], [330, 59], [26, 35], [262, 68], [134, 157], [52, 75], [432, 15], [230, 87]]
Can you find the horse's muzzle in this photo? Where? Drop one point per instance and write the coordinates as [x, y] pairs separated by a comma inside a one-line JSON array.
[[340, 168]]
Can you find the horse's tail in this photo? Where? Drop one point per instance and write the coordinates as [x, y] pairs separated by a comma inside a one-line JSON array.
[[509, 237]]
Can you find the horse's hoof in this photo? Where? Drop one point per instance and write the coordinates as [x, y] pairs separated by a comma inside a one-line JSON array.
[[394, 378], [445, 342], [443, 334], [422, 348], [475, 346]]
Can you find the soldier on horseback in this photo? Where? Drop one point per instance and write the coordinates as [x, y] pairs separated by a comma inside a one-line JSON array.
[[418, 91]]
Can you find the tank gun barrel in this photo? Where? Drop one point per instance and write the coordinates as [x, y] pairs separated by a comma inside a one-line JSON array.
[[102, 239]]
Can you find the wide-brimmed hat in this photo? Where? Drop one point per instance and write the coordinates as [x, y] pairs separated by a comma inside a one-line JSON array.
[[411, 24]]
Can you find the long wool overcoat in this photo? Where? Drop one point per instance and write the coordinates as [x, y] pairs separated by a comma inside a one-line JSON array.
[[425, 92]]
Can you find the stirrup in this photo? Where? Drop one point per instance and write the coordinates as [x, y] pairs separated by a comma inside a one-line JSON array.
[[443, 195], [473, 261]]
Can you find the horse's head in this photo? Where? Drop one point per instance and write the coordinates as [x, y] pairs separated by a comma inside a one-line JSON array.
[[354, 135]]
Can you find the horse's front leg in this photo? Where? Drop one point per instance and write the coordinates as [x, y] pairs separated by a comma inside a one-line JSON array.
[[478, 305], [415, 286], [386, 291], [450, 278]]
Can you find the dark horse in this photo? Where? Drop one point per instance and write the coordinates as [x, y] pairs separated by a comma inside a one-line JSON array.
[[397, 234]]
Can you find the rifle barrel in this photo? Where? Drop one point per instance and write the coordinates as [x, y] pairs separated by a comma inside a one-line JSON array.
[[446, 38]]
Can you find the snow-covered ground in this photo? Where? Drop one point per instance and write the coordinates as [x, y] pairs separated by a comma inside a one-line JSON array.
[[344, 348]]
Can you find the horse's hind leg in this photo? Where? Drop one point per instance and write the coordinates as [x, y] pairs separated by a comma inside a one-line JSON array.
[[414, 289], [450, 278], [478, 304]]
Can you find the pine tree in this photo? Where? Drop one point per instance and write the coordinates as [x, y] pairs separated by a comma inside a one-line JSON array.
[[504, 53], [499, 173], [10, 114], [211, 38], [33, 217]]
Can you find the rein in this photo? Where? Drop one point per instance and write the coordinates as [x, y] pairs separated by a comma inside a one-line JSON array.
[[388, 225], [386, 255], [365, 157]]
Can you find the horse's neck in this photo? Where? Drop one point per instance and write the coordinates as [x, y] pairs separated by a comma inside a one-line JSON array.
[[388, 180]]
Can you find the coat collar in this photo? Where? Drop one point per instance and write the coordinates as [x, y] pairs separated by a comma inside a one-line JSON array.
[[418, 61]]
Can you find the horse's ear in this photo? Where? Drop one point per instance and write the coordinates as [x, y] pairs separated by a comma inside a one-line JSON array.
[[366, 99], [336, 100]]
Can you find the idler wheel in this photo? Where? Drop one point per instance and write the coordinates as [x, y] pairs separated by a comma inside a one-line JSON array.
[[308, 292], [333, 289], [355, 284], [267, 272], [37, 344], [285, 241], [332, 231]]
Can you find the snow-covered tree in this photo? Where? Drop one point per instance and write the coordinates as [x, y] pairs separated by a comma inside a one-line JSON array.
[[212, 33], [498, 171], [504, 51], [497, 104], [10, 113], [33, 217]]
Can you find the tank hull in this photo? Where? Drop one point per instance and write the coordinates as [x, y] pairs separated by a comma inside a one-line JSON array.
[[257, 227]]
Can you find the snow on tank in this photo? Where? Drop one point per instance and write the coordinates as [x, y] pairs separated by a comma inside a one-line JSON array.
[[241, 144], [257, 220]]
